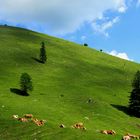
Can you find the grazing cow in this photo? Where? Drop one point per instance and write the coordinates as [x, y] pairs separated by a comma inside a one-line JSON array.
[[22, 119], [15, 116], [29, 116], [108, 132], [62, 126]]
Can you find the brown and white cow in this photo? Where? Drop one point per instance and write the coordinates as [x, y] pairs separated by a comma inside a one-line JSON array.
[[126, 137], [22, 119], [108, 132]]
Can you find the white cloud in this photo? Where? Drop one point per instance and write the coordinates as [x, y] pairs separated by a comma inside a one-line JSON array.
[[102, 28], [122, 9], [120, 55], [138, 3], [59, 16]]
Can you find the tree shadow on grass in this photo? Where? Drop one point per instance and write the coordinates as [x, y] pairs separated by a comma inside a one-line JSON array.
[[18, 92], [122, 108], [37, 60]]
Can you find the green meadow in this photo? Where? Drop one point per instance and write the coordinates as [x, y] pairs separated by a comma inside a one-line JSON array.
[[73, 75]]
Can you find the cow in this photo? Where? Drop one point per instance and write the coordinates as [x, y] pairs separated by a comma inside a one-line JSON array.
[[29, 116], [126, 137], [108, 132], [78, 125], [38, 122], [132, 136], [23, 119]]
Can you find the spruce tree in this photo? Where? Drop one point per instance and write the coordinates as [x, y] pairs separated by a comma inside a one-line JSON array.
[[25, 83], [43, 56], [134, 101]]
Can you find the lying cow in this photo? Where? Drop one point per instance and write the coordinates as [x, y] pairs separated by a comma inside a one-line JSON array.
[[108, 132], [38, 122], [22, 119], [29, 116], [132, 136], [126, 137], [78, 125]]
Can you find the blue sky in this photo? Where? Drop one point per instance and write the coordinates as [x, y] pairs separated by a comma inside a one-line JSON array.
[[110, 25], [124, 36]]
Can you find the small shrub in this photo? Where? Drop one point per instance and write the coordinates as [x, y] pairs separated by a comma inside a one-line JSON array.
[[85, 44]]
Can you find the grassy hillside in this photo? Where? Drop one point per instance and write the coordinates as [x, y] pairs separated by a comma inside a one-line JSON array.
[[76, 72]]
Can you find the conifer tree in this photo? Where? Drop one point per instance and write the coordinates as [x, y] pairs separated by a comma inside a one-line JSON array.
[[25, 83], [43, 56], [134, 101]]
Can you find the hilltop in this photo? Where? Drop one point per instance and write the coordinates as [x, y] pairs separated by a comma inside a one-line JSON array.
[[62, 88]]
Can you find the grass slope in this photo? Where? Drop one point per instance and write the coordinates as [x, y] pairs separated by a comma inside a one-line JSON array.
[[78, 73]]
